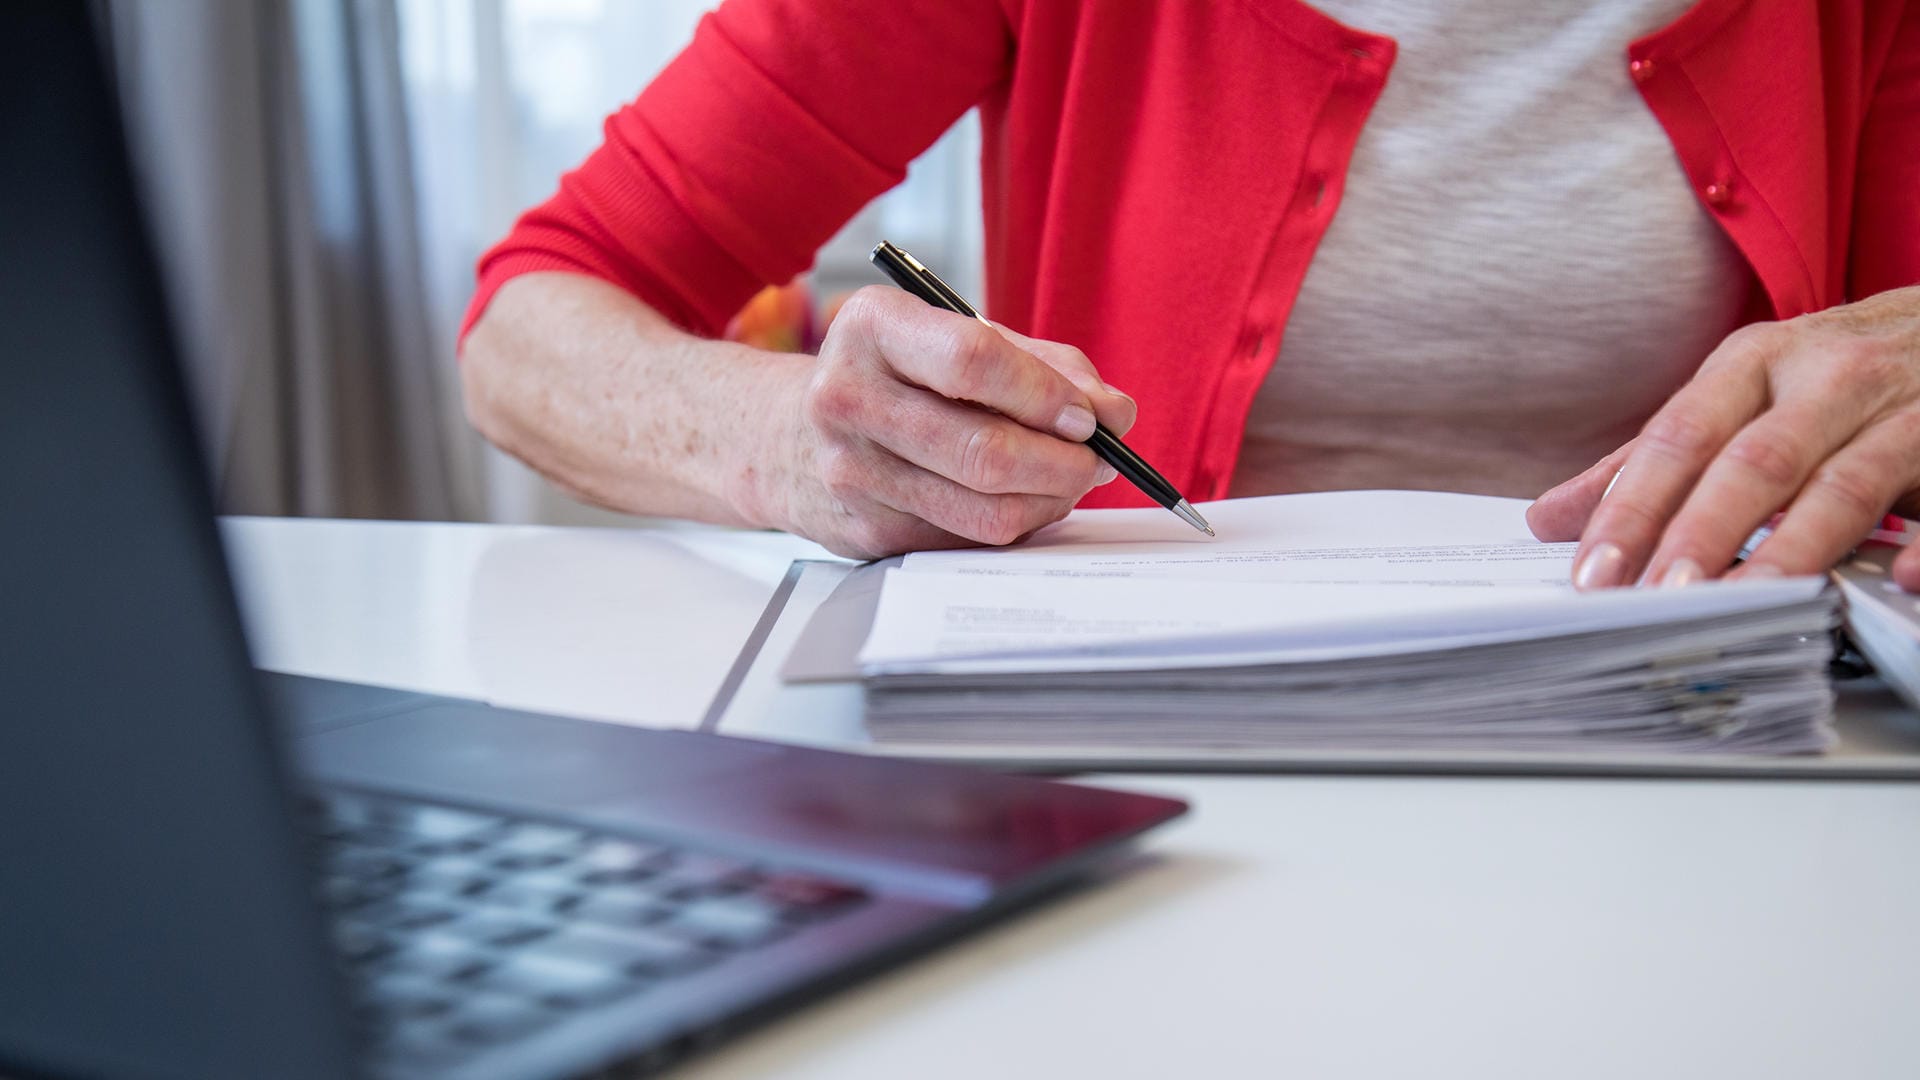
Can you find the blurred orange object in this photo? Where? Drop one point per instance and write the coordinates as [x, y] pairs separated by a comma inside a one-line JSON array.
[[779, 317]]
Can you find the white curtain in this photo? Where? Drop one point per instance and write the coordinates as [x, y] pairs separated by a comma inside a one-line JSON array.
[[272, 146], [505, 95]]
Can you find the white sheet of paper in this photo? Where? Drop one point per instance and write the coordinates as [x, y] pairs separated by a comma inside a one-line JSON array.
[[952, 622], [1396, 538]]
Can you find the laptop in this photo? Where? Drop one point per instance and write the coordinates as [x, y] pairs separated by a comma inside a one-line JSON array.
[[209, 872]]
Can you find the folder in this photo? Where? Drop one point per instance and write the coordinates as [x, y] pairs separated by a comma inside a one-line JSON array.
[[802, 676]]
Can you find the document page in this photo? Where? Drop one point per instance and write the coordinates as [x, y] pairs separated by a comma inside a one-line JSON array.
[[1376, 538], [938, 622], [953, 615]]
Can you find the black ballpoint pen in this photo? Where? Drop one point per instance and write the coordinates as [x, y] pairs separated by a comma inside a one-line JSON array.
[[906, 272]]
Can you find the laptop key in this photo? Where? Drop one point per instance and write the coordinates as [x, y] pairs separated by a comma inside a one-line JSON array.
[[629, 875], [558, 982], [516, 862], [732, 922], [635, 950], [407, 913], [498, 928], [359, 942], [700, 874], [611, 856], [540, 892], [449, 873], [496, 1018], [437, 955], [619, 909], [528, 839], [438, 823], [407, 995]]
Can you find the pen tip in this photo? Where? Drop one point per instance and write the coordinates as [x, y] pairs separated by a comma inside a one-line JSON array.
[[1192, 517]]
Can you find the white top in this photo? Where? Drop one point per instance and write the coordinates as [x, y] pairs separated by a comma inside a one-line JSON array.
[[1518, 274]]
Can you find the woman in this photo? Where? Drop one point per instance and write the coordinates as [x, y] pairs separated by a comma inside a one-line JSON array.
[[1564, 227]]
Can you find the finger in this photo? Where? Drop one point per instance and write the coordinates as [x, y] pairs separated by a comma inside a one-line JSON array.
[[1906, 568], [852, 521], [977, 449], [1760, 470], [867, 529], [971, 515], [883, 506], [1115, 407], [967, 360], [1667, 458], [1562, 512], [1842, 502]]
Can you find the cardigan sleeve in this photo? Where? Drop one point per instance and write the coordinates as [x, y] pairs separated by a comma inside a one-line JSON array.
[[1886, 218], [753, 146]]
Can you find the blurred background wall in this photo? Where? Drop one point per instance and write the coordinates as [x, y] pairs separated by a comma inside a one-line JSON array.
[[323, 175]]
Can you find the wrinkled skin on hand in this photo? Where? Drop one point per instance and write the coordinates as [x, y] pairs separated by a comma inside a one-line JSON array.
[[1817, 418], [925, 429]]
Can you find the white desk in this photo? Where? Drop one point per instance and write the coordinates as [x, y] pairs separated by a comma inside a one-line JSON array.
[[1298, 927]]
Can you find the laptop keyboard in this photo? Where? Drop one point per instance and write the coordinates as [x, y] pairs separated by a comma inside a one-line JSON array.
[[464, 930]]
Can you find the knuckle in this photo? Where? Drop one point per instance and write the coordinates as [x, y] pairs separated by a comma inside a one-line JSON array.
[[1679, 433], [1064, 357], [1748, 343], [841, 472], [833, 399], [972, 357], [1628, 518], [1775, 457], [880, 532], [1851, 488], [1057, 510], [1707, 538], [1003, 521], [988, 461], [1904, 428], [863, 306], [1859, 363], [869, 539], [1755, 335]]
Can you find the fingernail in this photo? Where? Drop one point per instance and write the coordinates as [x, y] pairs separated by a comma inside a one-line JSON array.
[[1600, 568], [1116, 391], [1107, 475], [1075, 422], [1760, 570], [1681, 571]]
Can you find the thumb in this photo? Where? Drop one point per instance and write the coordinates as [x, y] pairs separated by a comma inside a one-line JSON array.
[[1563, 512]]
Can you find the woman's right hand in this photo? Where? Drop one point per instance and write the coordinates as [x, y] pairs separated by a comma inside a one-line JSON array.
[[924, 429]]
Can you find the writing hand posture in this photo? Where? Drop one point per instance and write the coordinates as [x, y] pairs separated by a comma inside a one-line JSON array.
[[1819, 415], [913, 428], [921, 429]]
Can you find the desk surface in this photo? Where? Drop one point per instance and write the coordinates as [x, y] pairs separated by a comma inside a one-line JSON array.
[[1291, 926]]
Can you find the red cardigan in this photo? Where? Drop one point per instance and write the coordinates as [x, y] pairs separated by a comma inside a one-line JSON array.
[[1157, 174]]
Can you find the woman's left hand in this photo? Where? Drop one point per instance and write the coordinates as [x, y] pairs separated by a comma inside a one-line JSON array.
[[1818, 416]]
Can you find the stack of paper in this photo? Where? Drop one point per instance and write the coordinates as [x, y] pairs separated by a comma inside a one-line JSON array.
[[1346, 620], [1883, 619]]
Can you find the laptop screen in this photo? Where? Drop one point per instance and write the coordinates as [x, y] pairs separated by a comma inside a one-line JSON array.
[[155, 918]]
